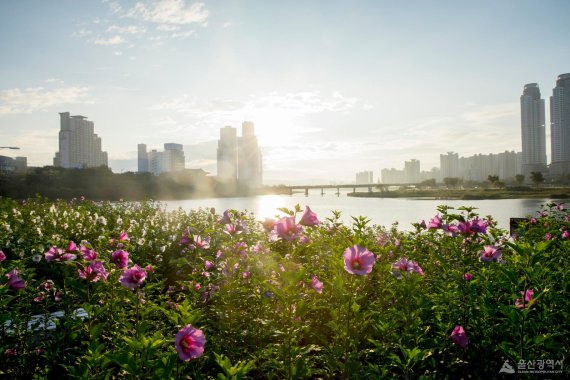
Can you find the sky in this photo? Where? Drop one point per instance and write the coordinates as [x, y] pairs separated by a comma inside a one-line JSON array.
[[333, 87]]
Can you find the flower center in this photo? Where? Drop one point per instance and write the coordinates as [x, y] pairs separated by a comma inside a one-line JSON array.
[[356, 264], [187, 342]]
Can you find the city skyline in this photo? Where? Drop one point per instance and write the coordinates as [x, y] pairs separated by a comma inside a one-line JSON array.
[[334, 89]]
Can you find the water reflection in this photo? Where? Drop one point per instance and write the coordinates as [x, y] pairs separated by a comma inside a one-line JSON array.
[[382, 211]]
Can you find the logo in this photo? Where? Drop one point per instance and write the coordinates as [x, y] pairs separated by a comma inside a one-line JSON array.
[[506, 368]]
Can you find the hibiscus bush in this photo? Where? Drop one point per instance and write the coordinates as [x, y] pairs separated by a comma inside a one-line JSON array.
[[128, 290]]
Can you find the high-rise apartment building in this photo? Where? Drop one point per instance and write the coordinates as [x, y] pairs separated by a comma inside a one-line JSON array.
[[412, 171], [249, 158], [364, 178], [239, 159], [449, 165], [142, 159], [170, 160], [79, 146], [560, 126], [227, 155], [532, 130]]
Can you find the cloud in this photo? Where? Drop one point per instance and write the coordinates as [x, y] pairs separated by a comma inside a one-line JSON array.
[[82, 33], [167, 28], [115, 7], [170, 12], [115, 40], [129, 29], [487, 114], [295, 104], [17, 101], [182, 35], [55, 80], [279, 118]]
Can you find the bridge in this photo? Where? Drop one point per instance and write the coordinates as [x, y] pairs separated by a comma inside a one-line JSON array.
[[379, 186]]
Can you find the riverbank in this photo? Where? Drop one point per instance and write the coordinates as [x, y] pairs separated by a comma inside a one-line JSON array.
[[469, 194]]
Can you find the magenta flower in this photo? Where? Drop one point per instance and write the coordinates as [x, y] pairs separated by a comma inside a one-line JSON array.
[[548, 236], [201, 243], [467, 277], [358, 260], [473, 226], [208, 265], [233, 229], [226, 219], [434, 223], [71, 247], [120, 258], [523, 303], [94, 272], [459, 337], [406, 266], [123, 236], [58, 254], [565, 235], [2, 256], [133, 277], [533, 221], [450, 229], [287, 229], [490, 253], [88, 254], [15, 282], [309, 218], [479, 225], [316, 284], [190, 343]]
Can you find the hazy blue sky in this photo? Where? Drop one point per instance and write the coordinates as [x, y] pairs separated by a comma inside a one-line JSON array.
[[333, 87]]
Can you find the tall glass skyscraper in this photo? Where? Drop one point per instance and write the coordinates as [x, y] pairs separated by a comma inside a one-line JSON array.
[[532, 130], [560, 126]]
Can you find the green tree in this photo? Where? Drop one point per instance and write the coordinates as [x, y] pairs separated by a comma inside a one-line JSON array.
[[519, 178], [451, 181], [537, 178], [494, 179], [428, 183]]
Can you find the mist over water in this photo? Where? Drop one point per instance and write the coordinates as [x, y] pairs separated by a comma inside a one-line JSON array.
[[381, 211]]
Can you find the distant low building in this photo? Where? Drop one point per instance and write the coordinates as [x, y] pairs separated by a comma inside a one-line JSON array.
[[170, 160], [13, 165]]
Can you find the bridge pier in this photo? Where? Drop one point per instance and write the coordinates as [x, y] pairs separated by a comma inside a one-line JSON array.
[[322, 191], [306, 191], [369, 189]]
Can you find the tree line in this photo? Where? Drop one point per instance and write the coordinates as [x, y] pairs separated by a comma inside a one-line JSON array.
[[102, 184]]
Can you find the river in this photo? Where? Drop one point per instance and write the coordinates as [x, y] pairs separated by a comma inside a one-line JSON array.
[[381, 211]]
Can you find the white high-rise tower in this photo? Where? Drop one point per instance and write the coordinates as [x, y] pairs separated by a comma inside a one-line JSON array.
[[79, 146], [560, 126], [532, 131]]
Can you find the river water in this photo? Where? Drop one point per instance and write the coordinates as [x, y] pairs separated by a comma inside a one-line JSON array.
[[381, 211]]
